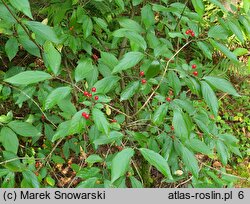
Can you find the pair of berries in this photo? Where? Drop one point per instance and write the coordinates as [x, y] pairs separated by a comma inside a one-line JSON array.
[[143, 81], [85, 93], [195, 73], [85, 115], [190, 32]]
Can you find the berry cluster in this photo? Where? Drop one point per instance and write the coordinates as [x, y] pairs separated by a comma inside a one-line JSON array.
[[85, 93], [190, 32]]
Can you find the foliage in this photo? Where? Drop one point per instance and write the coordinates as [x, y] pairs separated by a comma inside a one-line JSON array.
[[115, 93]]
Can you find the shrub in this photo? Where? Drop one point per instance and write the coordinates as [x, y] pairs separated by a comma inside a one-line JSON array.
[[116, 93]]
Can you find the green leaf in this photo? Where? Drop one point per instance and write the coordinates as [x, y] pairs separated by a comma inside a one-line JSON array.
[[221, 84], [190, 161], [199, 146], [11, 48], [100, 121], [199, 7], [57, 159], [180, 126], [160, 114], [246, 5], [222, 151], [109, 59], [210, 97], [87, 26], [102, 23], [228, 138], [31, 179], [23, 6], [147, 16], [50, 181], [62, 131], [137, 39], [89, 183], [240, 51], [202, 126], [4, 172], [129, 60], [224, 50], [120, 3], [120, 163], [52, 57], [205, 49], [77, 122], [218, 32], [134, 37], [29, 46], [104, 139], [15, 165], [24, 129], [186, 105], [130, 90], [106, 84], [55, 96], [131, 25], [236, 29], [28, 77], [94, 158], [174, 82], [9, 181], [5, 15], [83, 68], [135, 183], [43, 31], [153, 69], [9, 140], [136, 2], [176, 35], [157, 161]]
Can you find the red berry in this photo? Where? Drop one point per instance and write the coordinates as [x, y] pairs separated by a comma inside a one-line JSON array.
[[93, 89], [194, 66], [89, 95], [192, 34], [71, 28], [85, 93], [114, 121], [143, 81], [141, 73], [172, 127], [195, 73], [84, 114], [168, 99], [96, 98]]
